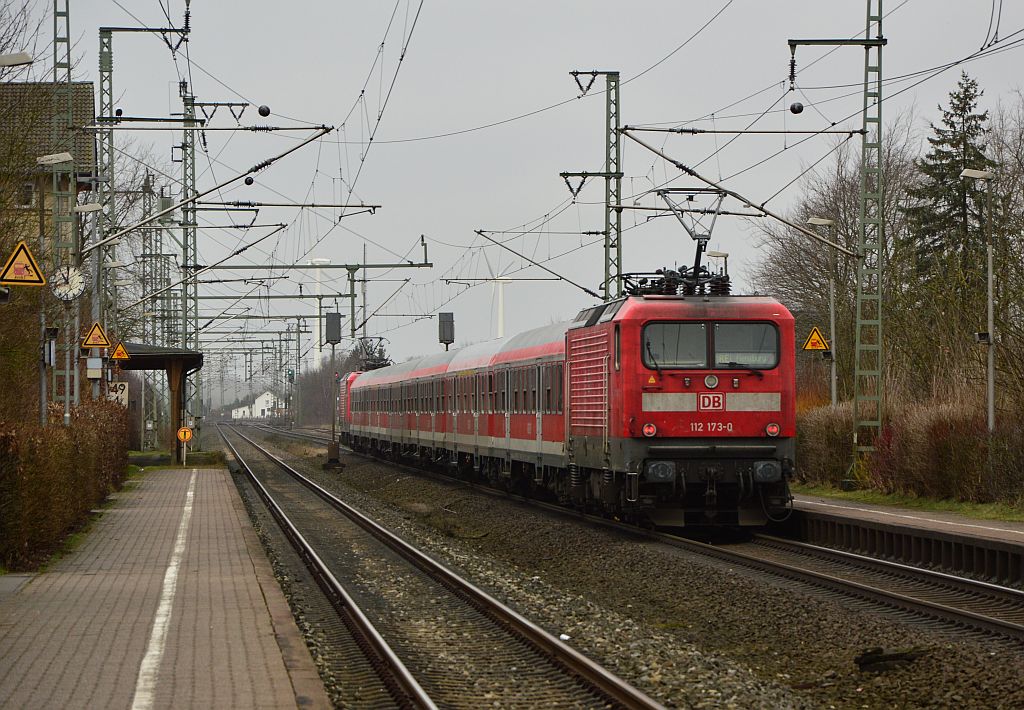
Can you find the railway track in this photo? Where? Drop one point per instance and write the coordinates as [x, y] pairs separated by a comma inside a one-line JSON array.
[[446, 642], [961, 602]]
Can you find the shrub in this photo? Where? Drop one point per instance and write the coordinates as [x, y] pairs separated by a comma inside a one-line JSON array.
[[51, 477], [824, 445], [938, 448]]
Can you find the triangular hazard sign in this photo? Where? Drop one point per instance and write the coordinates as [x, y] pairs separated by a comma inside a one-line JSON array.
[[120, 353], [21, 269], [815, 341], [96, 338]]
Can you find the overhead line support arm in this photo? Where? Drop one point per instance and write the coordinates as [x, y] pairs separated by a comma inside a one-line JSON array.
[[694, 174]]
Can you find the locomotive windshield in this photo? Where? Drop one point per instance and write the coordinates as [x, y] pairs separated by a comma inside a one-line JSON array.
[[733, 345], [746, 345], [674, 345]]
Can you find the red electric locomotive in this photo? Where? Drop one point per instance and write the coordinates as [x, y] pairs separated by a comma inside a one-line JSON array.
[[676, 410]]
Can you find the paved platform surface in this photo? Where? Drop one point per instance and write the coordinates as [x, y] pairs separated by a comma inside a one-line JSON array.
[[909, 517], [169, 602]]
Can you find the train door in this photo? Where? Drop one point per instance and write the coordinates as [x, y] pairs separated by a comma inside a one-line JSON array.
[[506, 407], [537, 387], [476, 397]]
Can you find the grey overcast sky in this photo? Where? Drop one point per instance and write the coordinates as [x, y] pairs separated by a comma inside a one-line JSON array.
[[471, 63]]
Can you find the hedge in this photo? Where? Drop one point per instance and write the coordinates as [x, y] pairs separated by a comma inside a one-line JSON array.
[[51, 477]]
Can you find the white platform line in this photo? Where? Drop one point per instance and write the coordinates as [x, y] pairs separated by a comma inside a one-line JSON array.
[[150, 666], [952, 523]]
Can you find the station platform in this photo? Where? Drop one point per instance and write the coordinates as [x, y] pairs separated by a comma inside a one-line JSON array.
[[926, 520], [169, 601], [991, 550]]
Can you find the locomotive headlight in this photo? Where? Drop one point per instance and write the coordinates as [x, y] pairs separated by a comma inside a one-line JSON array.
[[772, 429], [650, 430], [767, 472], [711, 381], [660, 471]]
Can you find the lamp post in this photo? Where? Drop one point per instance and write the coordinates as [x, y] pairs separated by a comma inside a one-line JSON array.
[[833, 380], [988, 338], [18, 59]]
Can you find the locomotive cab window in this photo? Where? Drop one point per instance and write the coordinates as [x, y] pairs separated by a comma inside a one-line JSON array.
[[674, 345], [746, 345]]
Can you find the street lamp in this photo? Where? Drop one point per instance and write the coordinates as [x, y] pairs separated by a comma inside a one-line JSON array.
[[989, 337], [18, 59], [54, 158], [823, 222]]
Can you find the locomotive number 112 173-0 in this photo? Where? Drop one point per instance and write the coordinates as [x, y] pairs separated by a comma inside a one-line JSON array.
[[711, 427]]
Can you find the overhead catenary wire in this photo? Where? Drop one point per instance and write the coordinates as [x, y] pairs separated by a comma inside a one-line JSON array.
[[732, 193]]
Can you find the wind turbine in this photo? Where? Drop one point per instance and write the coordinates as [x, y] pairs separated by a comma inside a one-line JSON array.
[[498, 282]]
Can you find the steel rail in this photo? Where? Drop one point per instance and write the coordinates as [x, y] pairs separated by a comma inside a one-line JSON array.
[[887, 598], [977, 584], [394, 674], [587, 670], [879, 595]]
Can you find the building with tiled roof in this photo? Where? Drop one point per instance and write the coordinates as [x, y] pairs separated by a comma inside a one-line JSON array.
[[30, 128], [27, 124]]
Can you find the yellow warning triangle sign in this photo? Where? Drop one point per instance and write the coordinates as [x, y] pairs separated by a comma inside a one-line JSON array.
[[120, 353], [96, 338], [815, 341], [21, 269]]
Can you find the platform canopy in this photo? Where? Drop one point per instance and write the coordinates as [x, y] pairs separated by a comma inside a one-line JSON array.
[[155, 357], [178, 363]]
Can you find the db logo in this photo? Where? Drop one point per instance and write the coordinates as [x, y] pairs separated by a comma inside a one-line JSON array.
[[711, 402]]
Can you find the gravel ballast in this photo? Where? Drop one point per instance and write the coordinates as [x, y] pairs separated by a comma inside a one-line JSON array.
[[689, 631]]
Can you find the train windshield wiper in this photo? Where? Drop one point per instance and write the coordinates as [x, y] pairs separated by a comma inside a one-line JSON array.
[[748, 368], [650, 352]]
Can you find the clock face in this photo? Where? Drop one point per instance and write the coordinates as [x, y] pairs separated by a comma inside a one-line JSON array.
[[67, 283]]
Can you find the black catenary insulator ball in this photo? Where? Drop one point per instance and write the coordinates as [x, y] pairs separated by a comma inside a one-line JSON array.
[[796, 107], [264, 110], [249, 180]]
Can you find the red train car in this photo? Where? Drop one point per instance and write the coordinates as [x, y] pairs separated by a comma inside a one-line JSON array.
[[671, 410]]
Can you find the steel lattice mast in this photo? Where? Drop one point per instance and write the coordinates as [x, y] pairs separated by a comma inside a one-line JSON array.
[[189, 248], [611, 287], [612, 192], [64, 249], [869, 373]]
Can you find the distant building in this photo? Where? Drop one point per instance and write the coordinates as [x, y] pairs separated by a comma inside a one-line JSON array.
[[266, 405]]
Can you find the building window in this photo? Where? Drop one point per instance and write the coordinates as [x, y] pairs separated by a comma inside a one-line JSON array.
[[26, 195]]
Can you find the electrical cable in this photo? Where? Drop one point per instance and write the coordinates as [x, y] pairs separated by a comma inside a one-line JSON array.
[[564, 102]]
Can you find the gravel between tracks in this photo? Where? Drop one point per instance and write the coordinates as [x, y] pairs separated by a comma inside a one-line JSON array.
[[688, 631]]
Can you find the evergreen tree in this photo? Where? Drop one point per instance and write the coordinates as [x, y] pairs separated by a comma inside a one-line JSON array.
[[945, 209]]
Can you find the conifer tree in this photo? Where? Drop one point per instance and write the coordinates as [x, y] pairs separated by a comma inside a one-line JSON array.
[[945, 210]]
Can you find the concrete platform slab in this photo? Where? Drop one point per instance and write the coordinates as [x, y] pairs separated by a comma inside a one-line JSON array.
[[168, 602], [929, 520]]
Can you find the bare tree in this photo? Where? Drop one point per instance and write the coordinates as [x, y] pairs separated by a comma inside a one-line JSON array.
[[797, 270]]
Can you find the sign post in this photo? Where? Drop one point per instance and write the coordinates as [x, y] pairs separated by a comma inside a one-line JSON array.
[[21, 268], [333, 337], [118, 392], [184, 436], [815, 340]]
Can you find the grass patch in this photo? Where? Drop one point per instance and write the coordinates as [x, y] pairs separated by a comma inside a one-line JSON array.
[[981, 511]]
